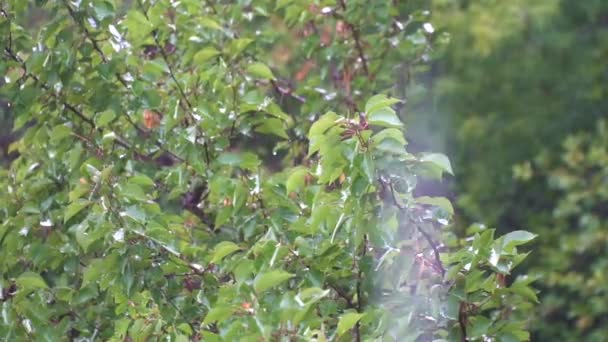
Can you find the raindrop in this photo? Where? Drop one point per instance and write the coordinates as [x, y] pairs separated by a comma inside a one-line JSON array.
[[128, 77], [330, 96], [119, 235], [92, 22], [428, 27]]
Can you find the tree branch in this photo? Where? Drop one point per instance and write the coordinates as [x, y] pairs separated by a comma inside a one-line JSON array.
[[356, 38]]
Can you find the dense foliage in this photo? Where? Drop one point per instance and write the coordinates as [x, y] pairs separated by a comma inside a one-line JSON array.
[[223, 171], [517, 79]]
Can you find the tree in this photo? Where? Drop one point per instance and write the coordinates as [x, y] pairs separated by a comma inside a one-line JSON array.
[[171, 184]]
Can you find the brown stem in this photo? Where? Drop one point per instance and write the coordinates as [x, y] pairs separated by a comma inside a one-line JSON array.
[[462, 321], [428, 238], [357, 39], [433, 245]]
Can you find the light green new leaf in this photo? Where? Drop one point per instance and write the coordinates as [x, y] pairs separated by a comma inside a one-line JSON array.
[[348, 321], [270, 279]]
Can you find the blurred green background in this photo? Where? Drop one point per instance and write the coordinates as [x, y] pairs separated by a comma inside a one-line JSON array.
[[517, 100]]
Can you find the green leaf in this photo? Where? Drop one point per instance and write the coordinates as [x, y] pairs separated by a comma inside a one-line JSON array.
[[74, 209], [205, 54], [141, 179], [59, 133], [385, 117], [379, 101], [238, 45], [230, 158], [516, 238], [440, 202], [320, 126], [270, 279], [348, 321], [316, 134], [521, 288], [218, 314], [209, 23], [31, 281], [181, 338], [103, 9], [139, 27], [104, 118], [272, 126], [479, 327], [296, 179], [134, 192], [438, 159], [260, 70], [222, 250], [93, 272], [389, 133]]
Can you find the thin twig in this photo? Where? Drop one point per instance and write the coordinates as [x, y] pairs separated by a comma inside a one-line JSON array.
[[433, 245], [356, 38], [428, 238]]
